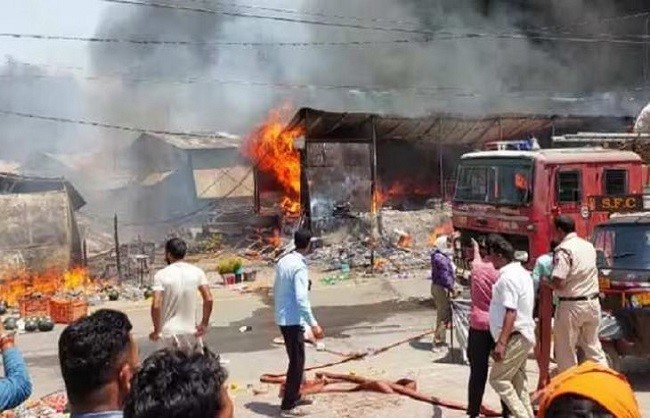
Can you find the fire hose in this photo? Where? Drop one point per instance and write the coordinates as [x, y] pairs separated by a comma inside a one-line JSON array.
[[406, 387]]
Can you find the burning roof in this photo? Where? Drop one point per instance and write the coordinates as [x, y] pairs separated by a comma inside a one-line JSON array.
[[441, 128]]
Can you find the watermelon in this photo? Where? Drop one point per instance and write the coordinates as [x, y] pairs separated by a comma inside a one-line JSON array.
[[10, 323], [31, 325], [45, 324]]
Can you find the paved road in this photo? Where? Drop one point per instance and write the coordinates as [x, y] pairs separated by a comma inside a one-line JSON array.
[[357, 316]]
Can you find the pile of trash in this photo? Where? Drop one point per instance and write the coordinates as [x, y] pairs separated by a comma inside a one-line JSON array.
[[51, 406], [405, 244]]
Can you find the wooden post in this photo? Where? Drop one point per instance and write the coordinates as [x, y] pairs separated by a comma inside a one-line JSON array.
[[375, 208], [84, 251], [117, 249], [544, 341]]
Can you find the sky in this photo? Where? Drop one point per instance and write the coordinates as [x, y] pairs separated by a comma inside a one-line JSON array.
[[53, 17]]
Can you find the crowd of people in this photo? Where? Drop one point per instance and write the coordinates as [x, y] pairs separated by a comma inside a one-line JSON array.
[[100, 361], [503, 326], [104, 377]]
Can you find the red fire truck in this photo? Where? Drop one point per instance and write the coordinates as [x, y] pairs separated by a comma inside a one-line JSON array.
[[517, 193]]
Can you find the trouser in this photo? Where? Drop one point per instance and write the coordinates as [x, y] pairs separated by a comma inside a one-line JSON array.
[[479, 345], [294, 342], [184, 342], [509, 380], [443, 312], [576, 325]]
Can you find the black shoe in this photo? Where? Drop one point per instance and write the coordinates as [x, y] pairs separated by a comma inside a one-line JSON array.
[[297, 410], [304, 402]]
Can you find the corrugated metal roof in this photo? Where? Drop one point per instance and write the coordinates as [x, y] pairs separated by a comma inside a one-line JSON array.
[[441, 128], [11, 167], [219, 141], [155, 178]]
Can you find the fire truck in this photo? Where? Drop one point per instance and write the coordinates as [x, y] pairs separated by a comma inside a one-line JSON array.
[[516, 189]]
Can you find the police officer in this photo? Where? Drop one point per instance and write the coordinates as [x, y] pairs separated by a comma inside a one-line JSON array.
[[575, 282]]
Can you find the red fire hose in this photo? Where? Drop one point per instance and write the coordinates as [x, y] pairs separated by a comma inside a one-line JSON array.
[[324, 382]]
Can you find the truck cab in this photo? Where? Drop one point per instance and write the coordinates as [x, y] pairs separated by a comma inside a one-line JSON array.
[[517, 193], [623, 258]]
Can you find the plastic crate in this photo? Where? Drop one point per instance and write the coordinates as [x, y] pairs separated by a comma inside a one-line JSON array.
[[34, 306], [64, 311]]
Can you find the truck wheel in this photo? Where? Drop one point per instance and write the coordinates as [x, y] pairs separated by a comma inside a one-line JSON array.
[[613, 358]]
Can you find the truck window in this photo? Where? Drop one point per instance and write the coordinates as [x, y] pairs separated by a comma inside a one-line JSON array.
[[567, 187], [615, 182], [503, 181], [623, 246]]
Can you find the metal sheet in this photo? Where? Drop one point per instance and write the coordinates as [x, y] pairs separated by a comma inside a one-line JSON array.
[[441, 127], [338, 174]]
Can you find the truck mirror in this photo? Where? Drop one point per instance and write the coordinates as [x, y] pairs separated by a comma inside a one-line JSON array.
[[521, 256]]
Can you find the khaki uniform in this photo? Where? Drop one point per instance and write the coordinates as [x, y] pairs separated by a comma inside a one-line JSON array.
[[443, 313], [577, 321]]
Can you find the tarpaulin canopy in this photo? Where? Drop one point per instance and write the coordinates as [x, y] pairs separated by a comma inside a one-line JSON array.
[[442, 128]]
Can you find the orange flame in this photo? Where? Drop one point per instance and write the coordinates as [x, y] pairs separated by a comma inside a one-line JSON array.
[[445, 228], [405, 241], [275, 239], [400, 189], [271, 147], [17, 285]]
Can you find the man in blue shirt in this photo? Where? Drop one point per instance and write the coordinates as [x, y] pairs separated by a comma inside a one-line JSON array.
[[15, 387], [292, 310], [98, 357], [542, 272]]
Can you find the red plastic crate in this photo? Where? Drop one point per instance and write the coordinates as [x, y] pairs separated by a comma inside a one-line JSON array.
[[64, 311], [30, 306]]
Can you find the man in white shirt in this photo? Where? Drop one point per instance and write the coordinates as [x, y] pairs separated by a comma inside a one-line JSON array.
[[512, 326], [173, 310]]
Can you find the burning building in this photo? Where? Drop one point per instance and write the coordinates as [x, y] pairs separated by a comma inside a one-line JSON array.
[[326, 165], [38, 229]]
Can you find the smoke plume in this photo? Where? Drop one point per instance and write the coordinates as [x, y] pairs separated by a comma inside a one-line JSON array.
[[475, 75]]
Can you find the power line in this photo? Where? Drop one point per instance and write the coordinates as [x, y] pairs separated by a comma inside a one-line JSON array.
[[266, 17], [528, 35], [200, 80], [439, 36], [408, 22], [603, 20], [309, 13], [425, 91], [206, 43], [102, 124]]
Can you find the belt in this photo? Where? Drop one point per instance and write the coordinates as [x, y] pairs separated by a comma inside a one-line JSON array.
[[578, 298]]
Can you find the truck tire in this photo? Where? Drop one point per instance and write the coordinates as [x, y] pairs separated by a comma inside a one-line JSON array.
[[613, 358]]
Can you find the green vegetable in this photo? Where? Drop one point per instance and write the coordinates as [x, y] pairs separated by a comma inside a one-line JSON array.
[[10, 323], [31, 324], [45, 324], [113, 295], [230, 265]]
